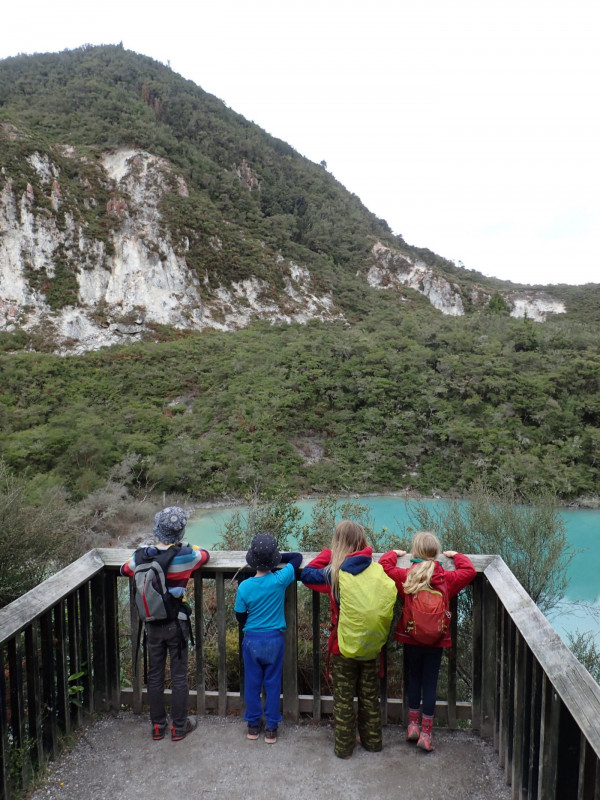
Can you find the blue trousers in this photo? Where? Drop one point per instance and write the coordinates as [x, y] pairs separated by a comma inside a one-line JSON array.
[[423, 670], [263, 666]]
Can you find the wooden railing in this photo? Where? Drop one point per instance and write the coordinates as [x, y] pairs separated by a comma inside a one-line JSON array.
[[61, 658]]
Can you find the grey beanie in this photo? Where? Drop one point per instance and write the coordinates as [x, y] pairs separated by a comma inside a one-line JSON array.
[[263, 554], [169, 525]]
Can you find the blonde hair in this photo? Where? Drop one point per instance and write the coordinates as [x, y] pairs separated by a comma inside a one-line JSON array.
[[426, 546], [348, 537]]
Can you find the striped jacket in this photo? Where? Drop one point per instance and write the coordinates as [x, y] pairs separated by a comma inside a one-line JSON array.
[[189, 559]]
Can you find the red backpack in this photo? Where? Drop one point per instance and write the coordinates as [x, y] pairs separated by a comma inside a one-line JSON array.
[[427, 616]]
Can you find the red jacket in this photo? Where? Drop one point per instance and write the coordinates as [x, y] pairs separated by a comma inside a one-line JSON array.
[[315, 577], [453, 580]]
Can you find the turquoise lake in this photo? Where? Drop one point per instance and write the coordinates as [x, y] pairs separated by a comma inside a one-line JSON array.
[[583, 531]]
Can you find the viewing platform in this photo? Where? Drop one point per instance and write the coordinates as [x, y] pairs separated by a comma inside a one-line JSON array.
[[522, 719]]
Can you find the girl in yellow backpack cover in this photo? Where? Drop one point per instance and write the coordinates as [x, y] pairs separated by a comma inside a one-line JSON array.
[[424, 661], [352, 677]]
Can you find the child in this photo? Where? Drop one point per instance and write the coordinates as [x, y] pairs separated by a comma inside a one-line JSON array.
[[259, 608], [424, 660], [170, 636], [350, 553]]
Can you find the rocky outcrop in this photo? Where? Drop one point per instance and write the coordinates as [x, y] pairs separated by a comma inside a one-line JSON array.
[[392, 269], [134, 277], [89, 261]]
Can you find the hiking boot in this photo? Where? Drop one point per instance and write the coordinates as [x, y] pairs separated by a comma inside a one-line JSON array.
[[253, 731], [414, 728], [158, 731], [426, 738], [177, 734], [271, 735]]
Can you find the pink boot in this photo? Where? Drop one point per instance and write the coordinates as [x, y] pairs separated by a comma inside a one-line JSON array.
[[426, 738], [414, 728]]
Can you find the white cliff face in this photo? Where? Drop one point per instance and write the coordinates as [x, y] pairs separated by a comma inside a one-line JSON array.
[[392, 269], [142, 278], [535, 308]]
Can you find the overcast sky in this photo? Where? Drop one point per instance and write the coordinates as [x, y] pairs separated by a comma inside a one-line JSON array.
[[471, 126]]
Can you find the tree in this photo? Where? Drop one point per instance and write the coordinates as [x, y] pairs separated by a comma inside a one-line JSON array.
[[528, 533], [36, 539]]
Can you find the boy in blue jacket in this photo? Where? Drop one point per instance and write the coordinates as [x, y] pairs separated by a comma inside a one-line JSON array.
[[259, 608]]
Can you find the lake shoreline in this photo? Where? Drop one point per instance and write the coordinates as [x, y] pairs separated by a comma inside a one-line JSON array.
[[590, 502]]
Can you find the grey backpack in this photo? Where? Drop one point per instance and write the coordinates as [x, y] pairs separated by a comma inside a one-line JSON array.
[[154, 602]]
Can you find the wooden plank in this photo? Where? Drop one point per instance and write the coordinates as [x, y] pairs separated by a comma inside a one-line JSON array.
[[101, 701], [222, 644], [135, 643], [61, 669], [21, 612], [577, 689], [452, 664], [316, 654], [200, 685], [111, 624], [535, 716], [85, 645], [510, 697], [48, 703], [5, 784], [478, 623], [488, 661], [34, 693], [549, 725], [232, 560], [588, 768], [17, 708], [73, 634], [518, 761], [290, 704]]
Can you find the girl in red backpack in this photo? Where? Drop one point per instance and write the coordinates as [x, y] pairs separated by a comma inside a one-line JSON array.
[[424, 660]]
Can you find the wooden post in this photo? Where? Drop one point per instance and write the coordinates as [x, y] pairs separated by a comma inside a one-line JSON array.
[[478, 623], [199, 639], [111, 624], [316, 654], [17, 706], [136, 634], [48, 698], [74, 659], [34, 693], [452, 664], [85, 639], [548, 741], [222, 643], [61, 669], [5, 787], [488, 660]]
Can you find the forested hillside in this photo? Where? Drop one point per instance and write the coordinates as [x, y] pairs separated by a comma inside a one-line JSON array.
[[403, 399], [383, 392]]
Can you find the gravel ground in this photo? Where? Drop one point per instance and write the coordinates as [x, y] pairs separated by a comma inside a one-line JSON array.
[[116, 758]]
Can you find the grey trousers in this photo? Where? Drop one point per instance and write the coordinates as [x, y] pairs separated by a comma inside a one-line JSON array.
[[163, 638]]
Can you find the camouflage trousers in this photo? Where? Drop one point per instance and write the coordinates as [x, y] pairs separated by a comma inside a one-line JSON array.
[[352, 679]]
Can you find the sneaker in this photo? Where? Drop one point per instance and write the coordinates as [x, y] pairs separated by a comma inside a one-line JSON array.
[[177, 734], [158, 731], [271, 735], [253, 731]]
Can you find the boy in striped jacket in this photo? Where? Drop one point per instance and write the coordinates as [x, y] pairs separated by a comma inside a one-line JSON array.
[[170, 636]]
